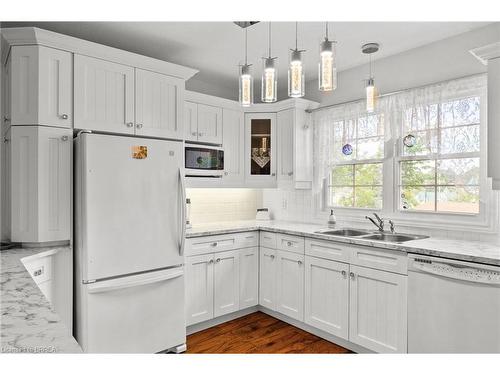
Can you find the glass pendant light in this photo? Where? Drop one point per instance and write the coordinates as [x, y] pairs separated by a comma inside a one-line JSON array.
[[246, 80], [327, 72], [269, 76], [296, 79], [371, 91]]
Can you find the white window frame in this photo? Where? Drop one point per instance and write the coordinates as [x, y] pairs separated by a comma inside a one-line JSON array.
[[486, 221]]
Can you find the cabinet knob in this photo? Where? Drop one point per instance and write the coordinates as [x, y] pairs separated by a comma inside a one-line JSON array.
[[290, 173], [273, 174], [351, 274], [6, 119], [226, 173], [130, 124], [138, 126], [200, 134], [64, 116], [299, 262], [218, 260], [272, 256], [213, 244], [344, 273], [210, 261], [194, 133], [64, 137], [289, 243]]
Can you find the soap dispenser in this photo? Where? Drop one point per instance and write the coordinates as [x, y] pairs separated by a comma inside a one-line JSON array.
[[332, 220]]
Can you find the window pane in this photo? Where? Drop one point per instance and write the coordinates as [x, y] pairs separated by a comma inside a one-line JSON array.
[[370, 126], [426, 143], [418, 172], [464, 171], [371, 148], [341, 196], [368, 197], [458, 140], [368, 174], [342, 175], [460, 112], [420, 118], [417, 198], [344, 130], [458, 199]]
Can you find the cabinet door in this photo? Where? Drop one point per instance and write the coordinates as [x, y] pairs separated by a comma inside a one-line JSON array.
[[290, 284], [226, 282], [327, 296], [378, 319], [285, 144], [41, 184], [234, 143], [267, 278], [159, 101], [7, 94], [260, 150], [190, 121], [249, 277], [104, 95], [24, 86], [209, 124], [199, 288]]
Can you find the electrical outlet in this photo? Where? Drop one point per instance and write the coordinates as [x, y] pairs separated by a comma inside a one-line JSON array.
[[38, 271]]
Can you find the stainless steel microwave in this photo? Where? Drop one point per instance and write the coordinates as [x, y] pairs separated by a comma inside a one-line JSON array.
[[203, 161]]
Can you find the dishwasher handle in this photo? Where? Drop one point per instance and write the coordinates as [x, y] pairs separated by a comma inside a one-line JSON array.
[[457, 271]]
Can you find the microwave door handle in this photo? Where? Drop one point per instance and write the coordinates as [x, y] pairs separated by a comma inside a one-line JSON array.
[[182, 197]]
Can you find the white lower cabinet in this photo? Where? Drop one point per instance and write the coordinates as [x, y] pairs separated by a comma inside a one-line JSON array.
[[327, 296], [199, 288], [290, 284], [226, 282], [249, 277], [378, 310], [267, 278]]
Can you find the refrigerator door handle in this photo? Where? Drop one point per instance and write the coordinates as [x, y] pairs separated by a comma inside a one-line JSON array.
[[182, 195], [136, 280]]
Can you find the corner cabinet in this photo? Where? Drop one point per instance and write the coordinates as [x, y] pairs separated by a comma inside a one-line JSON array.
[[260, 150], [39, 87], [40, 183]]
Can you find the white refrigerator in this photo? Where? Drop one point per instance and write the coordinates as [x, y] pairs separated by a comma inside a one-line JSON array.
[[129, 239]]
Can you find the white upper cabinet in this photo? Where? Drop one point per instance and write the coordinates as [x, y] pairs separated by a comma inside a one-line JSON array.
[[260, 150], [203, 123], [39, 87], [199, 288], [158, 105], [190, 121], [226, 282], [378, 310], [290, 284], [327, 296], [249, 277], [234, 143], [41, 180], [104, 95], [209, 124], [285, 144]]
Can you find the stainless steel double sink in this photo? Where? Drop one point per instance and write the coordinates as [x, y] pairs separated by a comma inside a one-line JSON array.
[[374, 236]]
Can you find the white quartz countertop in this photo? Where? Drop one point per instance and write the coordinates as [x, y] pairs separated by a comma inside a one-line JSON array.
[[28, 321], [473, 251]]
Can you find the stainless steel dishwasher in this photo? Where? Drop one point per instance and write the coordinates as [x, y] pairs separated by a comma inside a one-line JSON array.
[[453, 306]]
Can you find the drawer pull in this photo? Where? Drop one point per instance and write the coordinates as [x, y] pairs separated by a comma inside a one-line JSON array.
[[218, 260], [213, 244], [289, 243], [272, 256]]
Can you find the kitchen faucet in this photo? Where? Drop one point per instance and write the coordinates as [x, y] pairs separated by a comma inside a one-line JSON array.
[[380, 223]]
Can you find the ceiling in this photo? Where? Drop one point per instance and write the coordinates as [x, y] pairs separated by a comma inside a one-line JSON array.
[[216, 48]]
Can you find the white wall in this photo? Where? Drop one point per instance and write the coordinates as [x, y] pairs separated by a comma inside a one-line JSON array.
[[212, 205], [435, 62]]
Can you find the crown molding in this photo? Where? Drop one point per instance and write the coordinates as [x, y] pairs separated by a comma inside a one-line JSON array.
[[487, 52]]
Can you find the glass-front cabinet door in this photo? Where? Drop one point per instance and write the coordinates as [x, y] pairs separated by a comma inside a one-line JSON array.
[[260, 149]]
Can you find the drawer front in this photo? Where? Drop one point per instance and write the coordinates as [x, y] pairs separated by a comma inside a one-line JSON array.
[[224, 242], [268, 239], [295, 244], [386, 260], [40, 269], [327, 250]]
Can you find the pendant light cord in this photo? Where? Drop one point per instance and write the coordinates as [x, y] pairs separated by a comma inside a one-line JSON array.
[[296, 33], [269, 39], [326, 30], [246, 45]]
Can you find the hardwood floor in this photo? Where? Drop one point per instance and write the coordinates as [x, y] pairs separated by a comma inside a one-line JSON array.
[[258, 333]]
